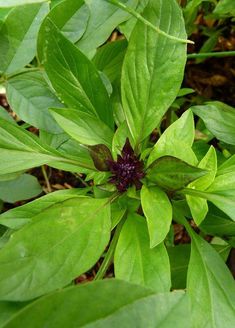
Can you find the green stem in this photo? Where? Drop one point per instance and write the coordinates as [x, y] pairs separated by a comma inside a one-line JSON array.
[[211, 54], [146, 22], [44, 172], [110, 253]]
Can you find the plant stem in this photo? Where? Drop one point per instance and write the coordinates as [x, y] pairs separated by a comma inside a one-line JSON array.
[[146, 22], [110, 253], [212, 54], [44, 172]]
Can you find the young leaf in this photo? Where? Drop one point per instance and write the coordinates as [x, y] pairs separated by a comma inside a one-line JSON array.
[[176, 141], [16, 217], [30, 97], [132, 304], [144, 100], [71, 236], [210, 287], [18, 32], [83, 127], [198, 206], [100, 154], [135, 262], [158, 211], [219, 119], [23, 187], [75, 79], [172, 174]]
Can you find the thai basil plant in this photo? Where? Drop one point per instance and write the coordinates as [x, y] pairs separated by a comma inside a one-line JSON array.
[[108, 113]]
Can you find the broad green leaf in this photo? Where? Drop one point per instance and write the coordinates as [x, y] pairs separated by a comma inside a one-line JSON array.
[[172, 174], [135, 262], [5, 115], [225, 8], [210, 287], [217, 223], [104, 18], [109, 59], [198, 206], [219, 119], [71, 17], [227, 166], [158, 212], [119, 303], [160, 61], [13, 3], [83, 127], [8, 310], [75, 79], [176, 141], [18, 32], [179, 259], [30, 97], [70, 238], [23, 187], [21, 150], [19, 216]]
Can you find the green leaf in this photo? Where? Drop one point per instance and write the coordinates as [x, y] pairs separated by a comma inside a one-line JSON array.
[[6, 116], [198, 206], [144, 100], [17, 217], [225, 8], [135, 262], [172, 174], [109, 59], [103, 19], [24, 187], [119, 138], [176, 141], [13, 3], [30, 97], [18, 32], [132, 304], [8, 310], [217, 223], [71, 237], [75, 79], [158, 211], [83, 127], [219, 119], [210, 287]]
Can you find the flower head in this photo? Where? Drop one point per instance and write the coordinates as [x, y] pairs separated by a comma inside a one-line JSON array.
[[128, 170]]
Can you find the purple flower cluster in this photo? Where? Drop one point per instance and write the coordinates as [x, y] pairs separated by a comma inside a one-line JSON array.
[[128, 170]]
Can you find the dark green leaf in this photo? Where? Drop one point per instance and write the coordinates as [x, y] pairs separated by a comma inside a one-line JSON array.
[[172, 174], [135, 262], [23, 187], [18, 32], [219, 119], [75, 79], [210, 287], [69, 238], [119, 303], [145, 79], [30, 97]]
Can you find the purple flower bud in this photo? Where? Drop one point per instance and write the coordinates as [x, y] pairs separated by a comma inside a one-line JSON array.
[[128, 170]]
